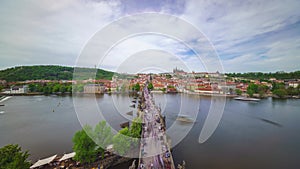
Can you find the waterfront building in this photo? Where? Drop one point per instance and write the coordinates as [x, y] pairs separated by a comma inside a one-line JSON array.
[[293, 83], [18, 89], [94, 88], [227, 88], [207, 90]]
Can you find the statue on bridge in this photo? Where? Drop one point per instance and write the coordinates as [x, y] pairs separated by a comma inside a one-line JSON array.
[[133, 165], [181, 166]]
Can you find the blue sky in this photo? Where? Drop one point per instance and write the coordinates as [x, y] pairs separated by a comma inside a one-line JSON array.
[[247, 35]]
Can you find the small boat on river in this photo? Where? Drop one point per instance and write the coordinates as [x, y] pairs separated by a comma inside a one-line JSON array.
[[130, 113], [246, 99], [185, 118]]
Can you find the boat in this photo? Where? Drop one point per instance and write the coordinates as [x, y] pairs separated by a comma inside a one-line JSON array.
[[130, 113], [185, 118], [125, 124], [4, 98], [246, 99]]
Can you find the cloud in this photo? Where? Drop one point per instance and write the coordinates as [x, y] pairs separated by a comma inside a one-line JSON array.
[[145, 46], [243, 29], [43, 32], [248, 35]]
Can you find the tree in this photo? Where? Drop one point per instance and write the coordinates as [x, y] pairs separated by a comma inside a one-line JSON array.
[[123, 88], [62, 89], [103, 136], [253, 87], [47, 90], [266, 76], [56, 88], [39, 88], [84, 146], [32, 87], [150, 86], [78, 88], [121, 141], [12, 157], [137, 87], [277, 86], [238, 91], [49, 72], [136, 128], [281, 93], [168, 76], [69, 88], [262, 90], [135, 132], [125, 131], [292, 91], [250, 92]]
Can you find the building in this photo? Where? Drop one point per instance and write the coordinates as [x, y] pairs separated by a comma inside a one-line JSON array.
[[171, 90], [3, 82], [94, 88], [293, 83], [227, 87], [207, 90], [19, 89], [158, 86]]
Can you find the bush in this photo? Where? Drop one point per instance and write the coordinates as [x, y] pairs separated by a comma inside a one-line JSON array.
[[12, 157]]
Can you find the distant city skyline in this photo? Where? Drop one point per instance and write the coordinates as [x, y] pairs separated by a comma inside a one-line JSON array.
[[249, 36]]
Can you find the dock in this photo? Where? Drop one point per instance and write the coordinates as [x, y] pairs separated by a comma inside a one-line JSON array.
[[155, 151]]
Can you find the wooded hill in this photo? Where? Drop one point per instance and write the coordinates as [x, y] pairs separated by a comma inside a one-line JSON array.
[[266, 76], [50, 72]]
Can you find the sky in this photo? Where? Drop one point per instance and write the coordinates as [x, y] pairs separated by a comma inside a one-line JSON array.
[[245, 36]]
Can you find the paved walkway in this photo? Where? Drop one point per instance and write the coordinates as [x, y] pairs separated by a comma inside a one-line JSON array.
[[155, 151]]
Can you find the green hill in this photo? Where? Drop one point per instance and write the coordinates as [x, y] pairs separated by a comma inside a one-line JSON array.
[[50, 72], [265, 76]]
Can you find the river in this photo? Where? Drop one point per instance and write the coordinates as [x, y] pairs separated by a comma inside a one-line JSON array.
[[262, 134]]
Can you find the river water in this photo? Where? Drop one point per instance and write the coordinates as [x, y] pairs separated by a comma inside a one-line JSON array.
[[262, 134]]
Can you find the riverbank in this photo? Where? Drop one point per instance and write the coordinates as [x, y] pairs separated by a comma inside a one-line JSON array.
[[109, 161], [155, 92]]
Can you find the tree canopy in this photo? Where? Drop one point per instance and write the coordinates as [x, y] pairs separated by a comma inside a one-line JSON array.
[[136, 128], [88, 142], [50, 88], [84, 146], [122, 141], [281, 93], [255, 88], [150, 86], [136, 87], [265, 76], [51, 72], [12, 157], [238, 91], [102, 136]]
